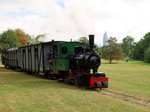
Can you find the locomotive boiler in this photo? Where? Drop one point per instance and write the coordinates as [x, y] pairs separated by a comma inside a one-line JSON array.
[[85, 58]]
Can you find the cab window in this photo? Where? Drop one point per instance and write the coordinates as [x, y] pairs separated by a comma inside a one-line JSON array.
[[55, 53], [64, 50]]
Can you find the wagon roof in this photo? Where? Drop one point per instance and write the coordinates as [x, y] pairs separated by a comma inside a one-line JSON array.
[[13, 49], [59, 42], [50, 42], [67, 42]]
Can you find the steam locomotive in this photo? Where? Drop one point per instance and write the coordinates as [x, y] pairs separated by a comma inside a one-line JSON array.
[[70, 61]]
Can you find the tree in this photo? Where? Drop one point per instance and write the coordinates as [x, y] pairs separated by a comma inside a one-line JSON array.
[[9, 39], [22, 36], [28, 37], [138, 52], [127, 45], [0, 42], [39, 37], [141, 46], [147, 55], [112, 51], [84, 40]]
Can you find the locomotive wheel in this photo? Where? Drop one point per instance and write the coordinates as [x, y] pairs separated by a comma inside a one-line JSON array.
[[48, 76], [77, 80], [81, 80], [6, 66], [61, 80]]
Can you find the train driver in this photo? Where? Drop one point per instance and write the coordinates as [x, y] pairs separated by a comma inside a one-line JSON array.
[[50, 56], [55, 53]]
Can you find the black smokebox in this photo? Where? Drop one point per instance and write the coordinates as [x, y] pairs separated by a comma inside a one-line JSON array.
[[91, 41]]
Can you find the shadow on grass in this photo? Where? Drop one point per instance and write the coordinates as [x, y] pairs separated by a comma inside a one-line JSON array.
[[110, 63], [27, 82], [3, 69]]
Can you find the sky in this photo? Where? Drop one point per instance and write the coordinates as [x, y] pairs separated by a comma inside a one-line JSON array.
[[71, 19]]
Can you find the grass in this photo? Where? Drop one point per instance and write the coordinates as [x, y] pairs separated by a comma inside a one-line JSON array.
[[131, 78], [20, 92]]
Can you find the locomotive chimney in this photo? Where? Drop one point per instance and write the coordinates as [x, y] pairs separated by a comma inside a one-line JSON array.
[[91, 41]]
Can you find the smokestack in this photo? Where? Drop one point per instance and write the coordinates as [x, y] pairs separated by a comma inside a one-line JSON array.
[[91, 41]]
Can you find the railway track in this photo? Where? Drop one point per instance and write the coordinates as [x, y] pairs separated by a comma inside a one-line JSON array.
[[125, 97]]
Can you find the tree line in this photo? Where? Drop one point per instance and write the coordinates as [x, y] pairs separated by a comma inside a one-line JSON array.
[[16, 38], [137, 50], [127, 49], [112, 51]]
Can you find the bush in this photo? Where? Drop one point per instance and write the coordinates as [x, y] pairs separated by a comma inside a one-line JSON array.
[[147, 55]]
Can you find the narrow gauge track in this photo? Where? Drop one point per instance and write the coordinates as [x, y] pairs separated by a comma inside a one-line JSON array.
[[125, 97]]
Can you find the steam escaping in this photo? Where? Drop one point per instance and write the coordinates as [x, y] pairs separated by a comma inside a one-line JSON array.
[[71, 23]]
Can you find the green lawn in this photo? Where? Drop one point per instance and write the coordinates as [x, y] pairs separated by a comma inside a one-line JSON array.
[[20, 92], [132, 77]]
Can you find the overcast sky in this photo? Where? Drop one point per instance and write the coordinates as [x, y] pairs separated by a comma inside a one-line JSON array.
[[66, 19]]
